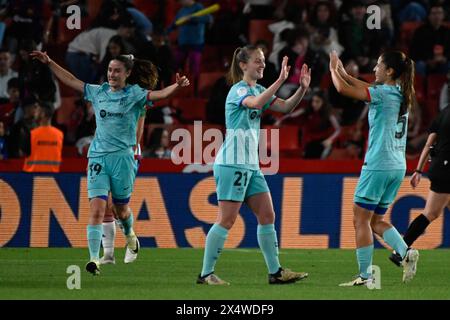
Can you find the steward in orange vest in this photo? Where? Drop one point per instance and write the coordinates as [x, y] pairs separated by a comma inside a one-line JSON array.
[[46, 145]]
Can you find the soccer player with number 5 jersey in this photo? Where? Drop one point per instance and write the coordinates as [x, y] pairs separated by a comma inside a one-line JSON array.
[[390, 101]]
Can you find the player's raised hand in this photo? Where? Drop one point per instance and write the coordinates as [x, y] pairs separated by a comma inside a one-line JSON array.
[[41, 56], [415, 179], [334, 60], [305, 76], [284, 73], [181, 81], [340, 67]]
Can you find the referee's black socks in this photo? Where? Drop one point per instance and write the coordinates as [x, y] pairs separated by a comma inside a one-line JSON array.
[[415, 229]]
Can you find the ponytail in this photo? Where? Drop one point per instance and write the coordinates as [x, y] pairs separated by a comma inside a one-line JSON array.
[[240, 55], [143, 72], [407, 85], [404, 71]]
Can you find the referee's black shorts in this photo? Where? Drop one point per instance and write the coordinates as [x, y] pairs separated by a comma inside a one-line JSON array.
[[439, 174]]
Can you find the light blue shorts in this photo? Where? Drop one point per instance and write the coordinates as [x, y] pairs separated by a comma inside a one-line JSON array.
[[378, 188], [235, 184], [112, 172]]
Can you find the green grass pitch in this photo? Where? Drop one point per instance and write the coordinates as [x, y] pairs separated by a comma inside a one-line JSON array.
[[171, 274]]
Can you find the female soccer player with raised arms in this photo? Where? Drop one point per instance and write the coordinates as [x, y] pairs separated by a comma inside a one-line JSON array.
[[111, 167], [390, 101], [236, 168]]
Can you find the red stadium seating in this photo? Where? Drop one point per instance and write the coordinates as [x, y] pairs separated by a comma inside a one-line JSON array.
[[430, 111], [326, 81], [191, 108], [345, 135], [210, 59], [64, 112], [148, 129], [206, 81], [368, 77], [288, 137], [70, 152], [258, 30], [66, 91], [407, 30], [435, 82], [338, 154], [93, 7], [149, 8], [419, 86]]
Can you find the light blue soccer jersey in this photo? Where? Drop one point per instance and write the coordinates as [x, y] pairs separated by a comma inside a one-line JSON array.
[[387, 131], [116, 117], [240, 148]]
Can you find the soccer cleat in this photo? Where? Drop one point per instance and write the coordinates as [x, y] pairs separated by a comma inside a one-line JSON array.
[[409, 264], [107, 260], [284, 276], [132, 249], [358, 281], [211, 279], [396, 259], [93, 267]]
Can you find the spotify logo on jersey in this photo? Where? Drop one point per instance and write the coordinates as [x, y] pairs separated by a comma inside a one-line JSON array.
[[102, 113]]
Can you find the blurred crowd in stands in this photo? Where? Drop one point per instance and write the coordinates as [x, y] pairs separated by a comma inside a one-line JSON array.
[[325, 126]]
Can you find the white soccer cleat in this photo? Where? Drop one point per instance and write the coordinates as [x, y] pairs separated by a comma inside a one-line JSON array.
[[132, 249], [107, 260], [358, 281], [409, 264], [212, 280]]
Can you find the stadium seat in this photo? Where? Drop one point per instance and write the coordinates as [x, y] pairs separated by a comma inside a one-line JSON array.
[[93, 7], [288, 137], [64, 112], [435, 82], [210, 59], [65, 90], [419, 86], [407, 30], [173, 39], [430, 111], [148, 129], [149, 8], [161, 103], [206, 81], [191, 108], [70, 152], [345, 135], [338, 154], [258, 30], [325, 82], [368, 77]]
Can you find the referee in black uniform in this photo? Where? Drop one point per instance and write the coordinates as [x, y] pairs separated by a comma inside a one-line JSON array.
[[438, 146]]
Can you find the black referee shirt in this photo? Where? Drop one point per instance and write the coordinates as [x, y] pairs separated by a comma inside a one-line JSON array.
[[441, 126]]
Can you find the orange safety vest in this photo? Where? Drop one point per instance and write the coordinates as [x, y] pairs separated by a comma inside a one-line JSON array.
[[46, 150]]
